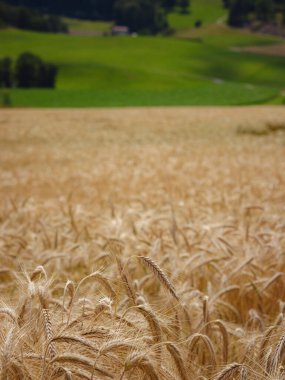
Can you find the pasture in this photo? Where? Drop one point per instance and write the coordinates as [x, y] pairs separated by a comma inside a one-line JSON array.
[[208, 11], [204, 67], [142, 243]]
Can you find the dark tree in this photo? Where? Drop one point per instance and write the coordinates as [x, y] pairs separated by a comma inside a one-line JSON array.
[[226, 3], [87, 9], [264, 10], [144, 16], [26, 18], [48, 74], [168, 5], [184, 6], [104, 8], [31, 71], [27, 70], [55, 24], [6, 72], [239, 11]]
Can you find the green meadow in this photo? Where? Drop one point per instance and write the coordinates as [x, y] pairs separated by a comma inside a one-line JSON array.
[[207, 11], [195, 67], [81, 26]]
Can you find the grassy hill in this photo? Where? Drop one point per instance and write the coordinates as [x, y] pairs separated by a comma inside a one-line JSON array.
[[202, 67], [207, 11]]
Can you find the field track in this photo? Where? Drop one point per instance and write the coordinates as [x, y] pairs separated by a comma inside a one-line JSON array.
[[275, 50], [178, 214]]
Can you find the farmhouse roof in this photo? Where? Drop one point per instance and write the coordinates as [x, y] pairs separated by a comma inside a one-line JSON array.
[[120, 28]]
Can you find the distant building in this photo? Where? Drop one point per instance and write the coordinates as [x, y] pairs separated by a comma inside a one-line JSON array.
[[118, 30]]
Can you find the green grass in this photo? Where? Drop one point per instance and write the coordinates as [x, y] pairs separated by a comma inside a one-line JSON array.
[[223, 37], [81, 26], [201, 93], [205, 66], [208, 11]]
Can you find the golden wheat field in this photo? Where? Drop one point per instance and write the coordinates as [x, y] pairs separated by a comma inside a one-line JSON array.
[[142, 244]]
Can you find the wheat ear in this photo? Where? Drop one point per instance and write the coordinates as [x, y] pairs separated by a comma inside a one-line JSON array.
[[160, 275], [228, 372], [40, 270], [225, 337], [175, 353], [115, 248], [115, 344], [6, 354], [97, 276], [9, 312], [49, 333], [143, 364], [265, 339], [193, 339], [152, 321], [68, 289], [73, 340], [80, 360], [278, 353], [47, 324]]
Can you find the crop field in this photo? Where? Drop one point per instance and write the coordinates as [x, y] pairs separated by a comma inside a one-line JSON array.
[[142, 243]]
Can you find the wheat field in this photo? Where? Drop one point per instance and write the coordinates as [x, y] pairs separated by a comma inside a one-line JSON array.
[[142, 244]]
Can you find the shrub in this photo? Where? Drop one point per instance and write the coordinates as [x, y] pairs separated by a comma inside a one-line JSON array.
[[198, 23], [184, 6]]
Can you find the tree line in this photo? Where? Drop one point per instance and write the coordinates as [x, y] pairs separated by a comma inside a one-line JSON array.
[[147, 16], [245, 12], [26, 18], [28, 71], [142, 16]]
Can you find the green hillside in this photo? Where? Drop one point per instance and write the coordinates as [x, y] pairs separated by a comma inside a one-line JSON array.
[[207, 67], [208, 11], [82, 26]]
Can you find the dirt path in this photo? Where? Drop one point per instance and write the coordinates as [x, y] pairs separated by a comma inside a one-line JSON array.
[[274, 50]]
